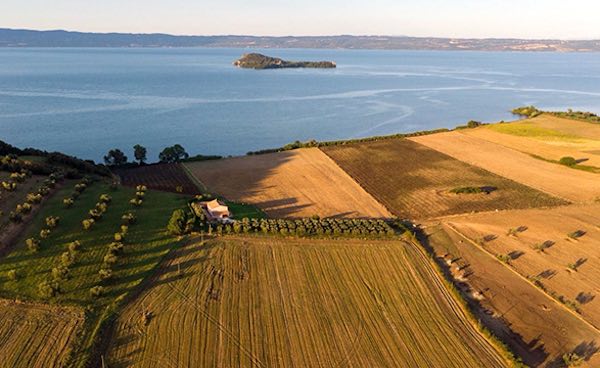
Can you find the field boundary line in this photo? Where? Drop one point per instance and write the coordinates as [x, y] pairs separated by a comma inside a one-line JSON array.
[[196, 181], [562, 306], [375, 198], [457, 306]]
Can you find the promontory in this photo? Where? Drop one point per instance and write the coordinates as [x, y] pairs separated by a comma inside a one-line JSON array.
[[259, 61]]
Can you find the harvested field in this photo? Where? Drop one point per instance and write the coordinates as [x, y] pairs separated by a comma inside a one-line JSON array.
[[35, 335], [544, 250], [414, 181], [534, 137], [560, 181], [163, 177], [532, 324], [577, 128], [299, 183], [265, 302]]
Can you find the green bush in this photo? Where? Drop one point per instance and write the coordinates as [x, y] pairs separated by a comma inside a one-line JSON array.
[[567, 161]]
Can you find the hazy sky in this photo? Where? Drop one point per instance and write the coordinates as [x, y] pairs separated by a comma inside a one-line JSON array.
[[450, 18]]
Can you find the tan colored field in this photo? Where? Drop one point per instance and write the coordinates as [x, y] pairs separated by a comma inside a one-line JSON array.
[[570, 184], [568, 126], [533, 325], [414, 181], [551, 150], [263, 302], [550, 265], [34, 335], [299, 183]]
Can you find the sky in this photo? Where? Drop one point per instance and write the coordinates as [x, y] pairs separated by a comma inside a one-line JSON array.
[[566, 19]]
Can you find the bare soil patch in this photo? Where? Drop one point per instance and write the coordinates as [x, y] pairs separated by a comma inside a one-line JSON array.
[[299, 183]]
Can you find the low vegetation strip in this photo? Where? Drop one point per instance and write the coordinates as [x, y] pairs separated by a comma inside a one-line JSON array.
[[557, 180], [293, 184], [36, 335], [416, 182], [264, 302]]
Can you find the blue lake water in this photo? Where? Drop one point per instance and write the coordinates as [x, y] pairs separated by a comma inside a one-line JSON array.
[[87, 101]]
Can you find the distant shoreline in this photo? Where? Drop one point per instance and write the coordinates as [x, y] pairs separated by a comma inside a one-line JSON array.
[[18, 38]]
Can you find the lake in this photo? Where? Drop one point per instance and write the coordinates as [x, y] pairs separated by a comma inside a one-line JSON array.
[[87, 101]]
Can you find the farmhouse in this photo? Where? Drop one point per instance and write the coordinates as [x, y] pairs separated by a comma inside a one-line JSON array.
[[213, 210]]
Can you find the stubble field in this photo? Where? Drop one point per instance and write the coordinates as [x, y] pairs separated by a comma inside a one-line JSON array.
[[36, 335], [299, 183], [260, 302]]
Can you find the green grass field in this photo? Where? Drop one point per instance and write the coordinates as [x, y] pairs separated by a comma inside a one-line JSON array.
[[144, 247]]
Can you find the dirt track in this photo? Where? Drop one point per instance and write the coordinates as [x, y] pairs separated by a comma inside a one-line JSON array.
[[299, 183]]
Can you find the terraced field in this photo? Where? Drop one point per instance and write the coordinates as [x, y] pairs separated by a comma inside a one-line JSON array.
[[263, 302], [35, 335], [415, 181], [557, 180], [293, 184]]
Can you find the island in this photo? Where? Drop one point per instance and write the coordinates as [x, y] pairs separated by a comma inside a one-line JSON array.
[[259, 61]]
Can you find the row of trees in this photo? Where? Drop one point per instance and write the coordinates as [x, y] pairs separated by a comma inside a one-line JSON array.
[[183, 222], [116, 157]]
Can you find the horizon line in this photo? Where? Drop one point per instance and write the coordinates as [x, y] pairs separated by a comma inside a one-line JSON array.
[[297, 36]]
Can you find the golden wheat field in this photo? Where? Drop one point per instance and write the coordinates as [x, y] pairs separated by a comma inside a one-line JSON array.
[[557, 180], [252, 302], [36, 335], [299, 183]]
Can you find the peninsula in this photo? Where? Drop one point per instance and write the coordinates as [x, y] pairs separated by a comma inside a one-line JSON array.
[[259, 61]]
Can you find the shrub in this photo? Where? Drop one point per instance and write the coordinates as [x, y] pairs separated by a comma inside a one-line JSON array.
[[105, 273], [136, 202], [110, 259], [115, 248], [97, 291], [60, 273], [572, 360], [33, 244], [12, 275], [567, 161], [128, 218], [48, 289], [68, 202], [105, 198], [74, 246], [176, 225], [44, 233], [15, 217], [67, 259], [87, 224], [52, 221]]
